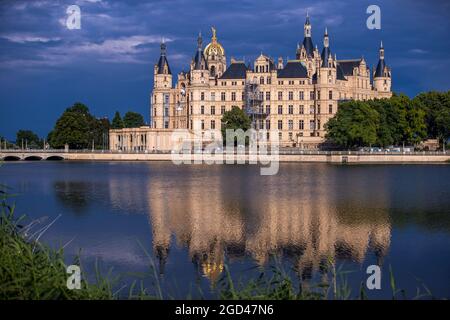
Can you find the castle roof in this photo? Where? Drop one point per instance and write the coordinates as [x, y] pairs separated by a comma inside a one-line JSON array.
[[200, 60], [236, 70], [309, 47], [162, 62], [348, 65], [293, 69], [379, 72]]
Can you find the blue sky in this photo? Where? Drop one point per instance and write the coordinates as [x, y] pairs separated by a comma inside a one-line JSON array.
[[108, 63]]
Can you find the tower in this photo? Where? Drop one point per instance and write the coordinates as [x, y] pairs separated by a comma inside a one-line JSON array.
[[327, 70], [162, 73], [199, 65], [306, 50], [382, 74], [215, 56]]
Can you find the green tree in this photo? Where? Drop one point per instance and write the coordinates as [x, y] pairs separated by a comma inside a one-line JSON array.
[[29, 139], [355, 124], [235, 119], [133, 120], [436, 106], [76, 127], [117, 122]]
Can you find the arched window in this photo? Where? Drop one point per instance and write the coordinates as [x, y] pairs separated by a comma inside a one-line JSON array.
[[213, 71]]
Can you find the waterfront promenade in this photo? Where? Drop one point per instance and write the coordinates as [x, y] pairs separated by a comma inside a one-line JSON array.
[[288, 155]]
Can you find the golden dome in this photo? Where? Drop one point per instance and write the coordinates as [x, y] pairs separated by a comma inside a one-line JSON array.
[[214, 48]]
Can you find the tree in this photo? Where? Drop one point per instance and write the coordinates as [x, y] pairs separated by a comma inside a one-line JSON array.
[[235, 119], [355, 124], [29, 139], [117, 122], [76, 127], [436, 107], [133, 120]]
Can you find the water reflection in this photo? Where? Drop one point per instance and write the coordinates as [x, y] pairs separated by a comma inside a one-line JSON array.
[[299, 217]]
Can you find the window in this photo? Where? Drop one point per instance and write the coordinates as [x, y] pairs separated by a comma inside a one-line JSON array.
[[267, 109], [291, 95], [222, 96], [213, 110], [318, 94], [280, 109], [318, 109], [291, 109], [233, 96], [330, 95], [280, 95], [213, 124], [202, 96], [311, 110], [318, 124], [301, 95], [311, 125], [311, 95], [213, 96], [330, 109], [203, 124], [166, 124], [301, 109], [291, 124], [267, 124], [222, 109], [202, 110], [290, 135], [269, 81], [261, 124], [301, 124], [268, 95], [280, 124], [261, 80]]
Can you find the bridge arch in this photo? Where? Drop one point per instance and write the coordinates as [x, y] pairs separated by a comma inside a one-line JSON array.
[[11, 158], [32, 158], [55, 158]]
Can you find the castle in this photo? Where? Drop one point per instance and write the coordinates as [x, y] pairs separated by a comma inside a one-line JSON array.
[[293, 99]]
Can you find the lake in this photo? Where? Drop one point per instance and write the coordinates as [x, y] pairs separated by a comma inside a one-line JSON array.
[[195, 219]]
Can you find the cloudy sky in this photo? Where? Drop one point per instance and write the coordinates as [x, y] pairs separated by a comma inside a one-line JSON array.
[[108, 63]]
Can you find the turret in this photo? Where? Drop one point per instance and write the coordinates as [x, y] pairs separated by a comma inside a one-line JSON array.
[[215, 56], [327, 70], [199, 65], [162, 73], [306, 50], [382, 74]]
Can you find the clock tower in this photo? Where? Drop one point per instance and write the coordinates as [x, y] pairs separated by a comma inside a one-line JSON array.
[[215, 56]]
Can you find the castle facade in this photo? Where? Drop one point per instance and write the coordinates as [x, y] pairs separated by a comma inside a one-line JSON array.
[[293, 99]]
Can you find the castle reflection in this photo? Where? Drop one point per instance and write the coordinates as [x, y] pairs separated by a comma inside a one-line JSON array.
[[306, 217]]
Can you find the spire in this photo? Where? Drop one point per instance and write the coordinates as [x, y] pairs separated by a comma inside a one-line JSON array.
[[326, 51], [163, 64], [326, 42], [379, 72], [199, 60], [307, 41]]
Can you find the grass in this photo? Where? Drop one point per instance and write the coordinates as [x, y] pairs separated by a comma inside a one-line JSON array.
[[32, 270]]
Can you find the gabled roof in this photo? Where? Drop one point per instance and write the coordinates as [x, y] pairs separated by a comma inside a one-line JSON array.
[[293, 69], [236, 70], [348, 65]]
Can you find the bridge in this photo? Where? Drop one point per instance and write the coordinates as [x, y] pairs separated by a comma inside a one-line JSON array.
[[32, 155], [284, 155]]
